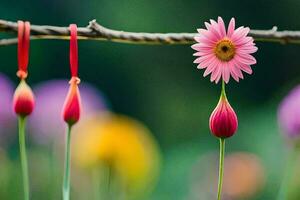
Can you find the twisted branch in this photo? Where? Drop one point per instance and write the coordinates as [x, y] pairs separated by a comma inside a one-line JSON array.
[[95, 31]]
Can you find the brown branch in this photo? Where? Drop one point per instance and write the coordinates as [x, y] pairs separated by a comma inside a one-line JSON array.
[[95, 31]]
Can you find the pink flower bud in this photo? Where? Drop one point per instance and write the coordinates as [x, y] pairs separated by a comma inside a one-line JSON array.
[[223, 121], [23, 101], [72, 106]]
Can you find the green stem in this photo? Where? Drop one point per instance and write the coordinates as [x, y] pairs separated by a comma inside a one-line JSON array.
[[223, 91], [96, 178], [66, 181], [22, 142], [283, 191], [221, 167]]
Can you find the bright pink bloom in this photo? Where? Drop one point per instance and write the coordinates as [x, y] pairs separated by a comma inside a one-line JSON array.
[[223, 121], [23, 102], [224, 53], [72, 105]]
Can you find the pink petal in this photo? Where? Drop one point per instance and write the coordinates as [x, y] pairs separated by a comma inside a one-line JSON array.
[[218, 77], [210, 67], [202, 44], [204, 61], [213, 22], [200, 47], [200, 67], [231, 66], [207, 25], [246, 68], [225, 72], [245, 59], [231, 27], [202, 53], [234, 76], [243, 67], [214, 29], [243, 40], [208, 61], [248, 45], [216, 73], [248, 50], [201, 39], [236, 70], [233, 71], [239, 33], [202, 31], [200, 59], [207, 34], [222, 29]]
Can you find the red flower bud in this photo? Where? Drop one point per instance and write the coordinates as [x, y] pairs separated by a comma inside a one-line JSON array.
[[23, 102], [223, 121], [72, 105]]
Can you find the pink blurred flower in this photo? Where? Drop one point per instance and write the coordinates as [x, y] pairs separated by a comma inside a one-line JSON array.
[[7, 91], [7, 117], [224, 53], [46, 123], [289, 114]]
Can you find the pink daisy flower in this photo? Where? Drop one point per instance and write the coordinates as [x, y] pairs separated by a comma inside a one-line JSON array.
[[224, 54]]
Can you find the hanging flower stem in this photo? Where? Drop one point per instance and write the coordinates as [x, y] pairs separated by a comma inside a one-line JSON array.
[[221, 167], [66, 181], [22, 142]]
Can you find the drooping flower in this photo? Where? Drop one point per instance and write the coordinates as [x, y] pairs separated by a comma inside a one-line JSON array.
[[289, 114], [23, 101], [45, 123], [223, 121], [71, 109], [224, 53], [72, 105], [123, 144]]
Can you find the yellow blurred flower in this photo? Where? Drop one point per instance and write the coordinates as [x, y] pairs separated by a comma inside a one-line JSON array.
[[121, 143]]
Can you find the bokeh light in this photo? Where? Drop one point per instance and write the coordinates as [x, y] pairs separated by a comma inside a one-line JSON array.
[[244, 177]]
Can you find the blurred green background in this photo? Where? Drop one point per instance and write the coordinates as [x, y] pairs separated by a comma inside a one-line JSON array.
[[160, 85]]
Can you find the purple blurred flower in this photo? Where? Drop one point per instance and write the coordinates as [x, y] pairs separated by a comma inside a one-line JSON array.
[[7, 117], [289, 113], [46, 123]]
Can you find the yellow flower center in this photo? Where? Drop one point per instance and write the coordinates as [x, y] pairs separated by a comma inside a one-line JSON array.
[[224, 50]]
